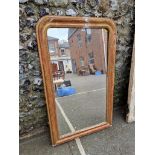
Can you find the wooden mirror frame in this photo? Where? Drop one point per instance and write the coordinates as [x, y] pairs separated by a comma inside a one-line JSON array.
[[74, 22]]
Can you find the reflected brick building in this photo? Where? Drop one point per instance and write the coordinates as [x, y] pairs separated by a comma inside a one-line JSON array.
[[60, 54], [88, 46], [53, 46]]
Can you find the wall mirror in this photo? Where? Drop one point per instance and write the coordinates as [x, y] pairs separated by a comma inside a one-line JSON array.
[[77, 57]]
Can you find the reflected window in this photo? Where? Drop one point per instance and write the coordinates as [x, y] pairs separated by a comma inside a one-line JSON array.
[[91, 58], [79, 40], [52, 48], [88, 31], [88, 35], [81, 61], [62, 51], [52, 44]]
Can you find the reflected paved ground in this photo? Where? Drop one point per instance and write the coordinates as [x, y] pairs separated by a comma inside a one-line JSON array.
[[82, 110], [85, 108], [86, 83], [117, 140]]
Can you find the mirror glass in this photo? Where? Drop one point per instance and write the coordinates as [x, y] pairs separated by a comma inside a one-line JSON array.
[[78, 60]]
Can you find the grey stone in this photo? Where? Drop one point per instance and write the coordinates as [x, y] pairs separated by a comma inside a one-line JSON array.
[[29, 11], [32, 45], [23, 54], [23, 1], [59, 12], [33, 97], [103, 5], [22, 114], [77, 1], [22, 23], [36, 73], [122, 48], [21, 11], [21, 47], [37, 81], [41, 104], [119, 64], [73, 1], [30, 22], [20, 128], [93, 3], [44, 11], [88, 9], [24, 37], [37, 88], [57, 3], [114, 4], [21, 70], [97, 14], [30, 66], [40, 2], [30, 112], [25, 82], [29, 105], [71, 12]]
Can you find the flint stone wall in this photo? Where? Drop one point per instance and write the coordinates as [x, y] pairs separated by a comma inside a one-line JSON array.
[[33, 114]]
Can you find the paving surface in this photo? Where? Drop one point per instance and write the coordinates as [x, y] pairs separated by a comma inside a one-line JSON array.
[[86, 83], [85, 108], [117, 140]]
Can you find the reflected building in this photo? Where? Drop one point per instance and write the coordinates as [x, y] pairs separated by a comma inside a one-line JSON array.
[[60, 54], [88, 48]]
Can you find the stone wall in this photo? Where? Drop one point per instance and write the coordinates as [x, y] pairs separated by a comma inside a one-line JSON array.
[[33, 114]]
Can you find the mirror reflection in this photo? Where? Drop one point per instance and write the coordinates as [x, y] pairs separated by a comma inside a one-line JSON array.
[[78, 60]]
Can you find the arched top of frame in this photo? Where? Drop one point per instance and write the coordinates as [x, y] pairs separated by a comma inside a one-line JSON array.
[[66, 21]]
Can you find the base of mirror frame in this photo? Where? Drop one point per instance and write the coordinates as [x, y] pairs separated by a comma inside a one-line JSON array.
[[81, 133]]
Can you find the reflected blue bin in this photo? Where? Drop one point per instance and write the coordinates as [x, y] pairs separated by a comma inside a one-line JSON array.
[[65, 91], [98, 73], [59, 92]]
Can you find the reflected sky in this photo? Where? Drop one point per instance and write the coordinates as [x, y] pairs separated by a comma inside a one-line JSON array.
[[60, 33]]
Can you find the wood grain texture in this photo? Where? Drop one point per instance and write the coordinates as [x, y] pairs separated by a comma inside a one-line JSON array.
[[74, 22]]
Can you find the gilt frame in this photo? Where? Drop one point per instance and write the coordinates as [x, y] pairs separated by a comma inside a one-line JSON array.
[[74, 22]]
